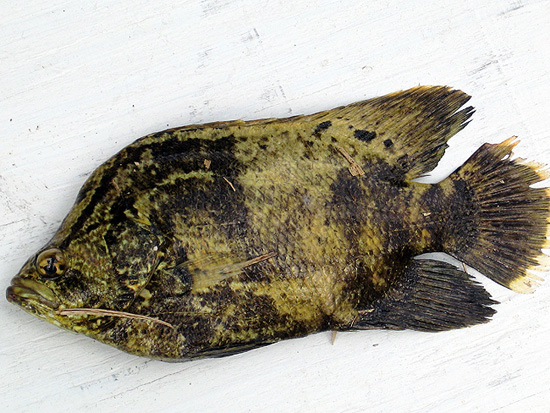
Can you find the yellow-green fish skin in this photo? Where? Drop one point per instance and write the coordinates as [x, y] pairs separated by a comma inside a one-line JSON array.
[[233, 235]]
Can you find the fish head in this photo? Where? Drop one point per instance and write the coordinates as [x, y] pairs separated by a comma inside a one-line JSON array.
[[37, 287], [56, 278]]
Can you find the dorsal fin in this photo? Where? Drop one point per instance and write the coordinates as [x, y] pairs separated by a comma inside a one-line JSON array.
[[408, 129]]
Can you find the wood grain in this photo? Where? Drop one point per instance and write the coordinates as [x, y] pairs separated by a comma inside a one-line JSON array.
[[80, 80]]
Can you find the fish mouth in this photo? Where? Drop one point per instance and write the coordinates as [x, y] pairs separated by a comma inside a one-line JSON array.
[[22, 290]]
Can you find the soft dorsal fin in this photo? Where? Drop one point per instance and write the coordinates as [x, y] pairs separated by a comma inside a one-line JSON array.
[[408, 129]]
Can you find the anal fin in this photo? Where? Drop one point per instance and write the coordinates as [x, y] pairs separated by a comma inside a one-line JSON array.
[[431, 296]]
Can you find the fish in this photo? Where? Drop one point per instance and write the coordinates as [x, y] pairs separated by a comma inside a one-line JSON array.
[[213, 239]]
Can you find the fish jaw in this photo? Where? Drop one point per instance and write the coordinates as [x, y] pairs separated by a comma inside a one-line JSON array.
[[33, 297]]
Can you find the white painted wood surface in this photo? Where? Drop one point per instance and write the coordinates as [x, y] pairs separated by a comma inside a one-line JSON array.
[[80, 80]]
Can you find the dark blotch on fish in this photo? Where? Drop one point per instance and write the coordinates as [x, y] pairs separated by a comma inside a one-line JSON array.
[[209, 240]]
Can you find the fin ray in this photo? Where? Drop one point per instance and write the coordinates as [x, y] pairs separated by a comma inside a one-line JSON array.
[[407, 129], [509, 217], [431, 296], [212, 268]]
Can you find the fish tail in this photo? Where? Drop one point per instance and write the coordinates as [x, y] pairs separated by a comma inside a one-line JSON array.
[[501, 222]]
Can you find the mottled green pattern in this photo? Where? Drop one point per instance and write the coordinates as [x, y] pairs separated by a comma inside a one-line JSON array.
[[239, 234]]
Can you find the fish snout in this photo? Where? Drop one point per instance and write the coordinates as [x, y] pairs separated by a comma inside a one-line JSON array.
[[23, 289]]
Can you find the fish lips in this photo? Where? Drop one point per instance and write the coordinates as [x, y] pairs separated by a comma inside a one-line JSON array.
[[25, 292]]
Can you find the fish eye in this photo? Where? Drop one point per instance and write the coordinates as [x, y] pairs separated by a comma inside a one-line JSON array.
[[50, 263]]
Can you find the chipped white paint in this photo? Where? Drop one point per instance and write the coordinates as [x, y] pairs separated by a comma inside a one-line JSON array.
[[80, 80]]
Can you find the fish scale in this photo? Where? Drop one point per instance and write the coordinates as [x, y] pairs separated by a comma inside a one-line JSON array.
[[208, 240]]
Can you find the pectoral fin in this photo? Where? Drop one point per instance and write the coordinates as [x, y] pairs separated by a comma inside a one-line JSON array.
[[210, 269]]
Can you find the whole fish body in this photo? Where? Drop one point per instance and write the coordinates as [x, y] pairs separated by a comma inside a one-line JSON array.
[[213, 239]]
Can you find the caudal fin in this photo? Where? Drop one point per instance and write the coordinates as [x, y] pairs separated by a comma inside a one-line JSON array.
[[502, 234]]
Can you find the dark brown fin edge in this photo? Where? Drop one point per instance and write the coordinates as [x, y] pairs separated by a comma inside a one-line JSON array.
[[431, 296], [408, 129], [509, 217]]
